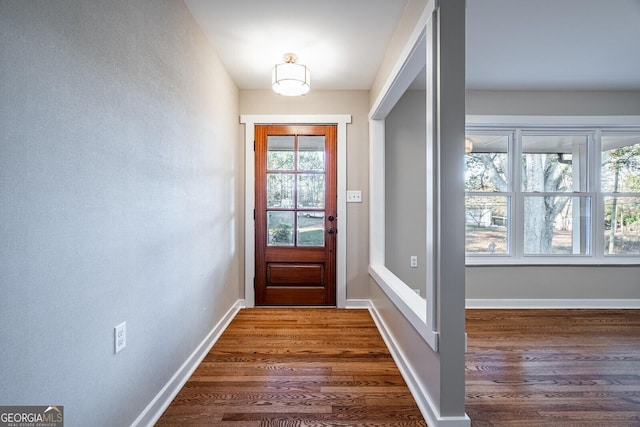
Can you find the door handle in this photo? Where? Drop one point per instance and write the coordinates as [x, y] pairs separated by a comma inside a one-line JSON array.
[[331, 230], [331, 218]]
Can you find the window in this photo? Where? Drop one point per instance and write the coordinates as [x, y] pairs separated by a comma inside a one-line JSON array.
[[488, 194], [552, 195], [620, 185]]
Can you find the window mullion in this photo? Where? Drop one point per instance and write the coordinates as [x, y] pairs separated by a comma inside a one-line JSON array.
[[517, 208], [597, 201], [582, 234]]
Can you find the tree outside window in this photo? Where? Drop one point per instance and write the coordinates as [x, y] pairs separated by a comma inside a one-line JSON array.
[[620, 179], [535, 193]]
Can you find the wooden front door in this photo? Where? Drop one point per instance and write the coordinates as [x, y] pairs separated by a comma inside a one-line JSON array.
[[295, 217]]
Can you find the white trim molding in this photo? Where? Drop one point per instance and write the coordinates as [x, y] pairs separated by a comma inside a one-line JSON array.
[[358, 303], [410, 62], [604, 304], [250, 121], [589, 248], [165, 396], [422, 397], [419, 52], [563, 121], [406, 300]]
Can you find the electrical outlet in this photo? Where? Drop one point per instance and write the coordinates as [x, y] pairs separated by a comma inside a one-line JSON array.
[[413, 261], [120, 337]]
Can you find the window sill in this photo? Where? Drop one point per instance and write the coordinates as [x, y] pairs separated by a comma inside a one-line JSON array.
[[587, 261]]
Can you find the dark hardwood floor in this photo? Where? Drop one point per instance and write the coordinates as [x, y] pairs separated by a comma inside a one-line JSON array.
[[327, 367], [296, 367], [553, 368]]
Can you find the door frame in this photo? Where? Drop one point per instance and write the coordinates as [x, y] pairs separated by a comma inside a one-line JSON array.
[[250, 121]]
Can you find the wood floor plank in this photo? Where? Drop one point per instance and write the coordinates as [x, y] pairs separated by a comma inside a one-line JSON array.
[[553, 368], [296, 367]]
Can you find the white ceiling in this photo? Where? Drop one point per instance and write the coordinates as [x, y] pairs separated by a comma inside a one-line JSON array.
[[341, 41], [511, 44], [553, 44]]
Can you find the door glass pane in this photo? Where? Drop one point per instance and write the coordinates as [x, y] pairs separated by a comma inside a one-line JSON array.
[[622, 214], [280, 152], [310, 228], [486, 225], [311, 153], [552, 163], [486, 164], [620, 164], [310, 191], [280, 228], [280, 190], [556, 225]]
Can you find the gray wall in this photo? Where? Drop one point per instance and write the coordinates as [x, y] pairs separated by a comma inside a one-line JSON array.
[[550, 103], [118, 149], [557, 282], [553, 282], [405, 189]]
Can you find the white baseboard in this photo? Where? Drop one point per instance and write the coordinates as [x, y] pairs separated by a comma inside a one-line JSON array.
[[165, 396], [428, 409], [358, 303], [554, 303]]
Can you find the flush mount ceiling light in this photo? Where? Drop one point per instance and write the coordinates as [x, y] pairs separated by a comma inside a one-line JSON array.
[[289, 78]]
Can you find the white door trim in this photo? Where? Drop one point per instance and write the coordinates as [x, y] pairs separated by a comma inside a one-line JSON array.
[[341, 120]]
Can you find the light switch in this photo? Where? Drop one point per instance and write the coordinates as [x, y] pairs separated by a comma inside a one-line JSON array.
[[354, 196]]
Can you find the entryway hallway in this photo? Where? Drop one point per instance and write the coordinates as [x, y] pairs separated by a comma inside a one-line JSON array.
[[298, 367]]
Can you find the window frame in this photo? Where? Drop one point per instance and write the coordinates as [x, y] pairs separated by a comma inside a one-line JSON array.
[[508, 194], [554, 126]]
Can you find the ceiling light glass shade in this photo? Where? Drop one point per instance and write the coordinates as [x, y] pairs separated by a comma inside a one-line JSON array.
[[290, 79]]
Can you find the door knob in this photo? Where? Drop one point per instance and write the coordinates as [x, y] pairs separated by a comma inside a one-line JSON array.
[[331, 230], [331, 218]]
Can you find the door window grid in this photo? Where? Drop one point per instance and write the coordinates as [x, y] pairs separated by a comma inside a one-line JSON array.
[[296, 190]]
